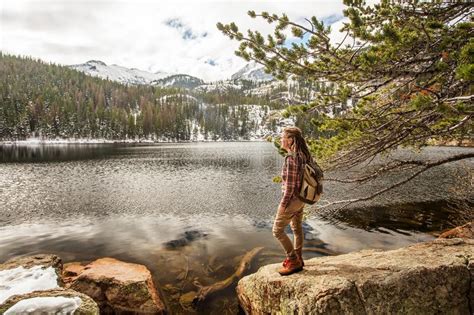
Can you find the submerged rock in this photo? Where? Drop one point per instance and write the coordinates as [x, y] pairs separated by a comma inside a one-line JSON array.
[[464, 231], [56, 301], [424, 278], [116, 286], [187, 238]]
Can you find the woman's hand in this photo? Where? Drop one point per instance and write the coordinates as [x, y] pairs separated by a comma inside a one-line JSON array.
[[281, 208]]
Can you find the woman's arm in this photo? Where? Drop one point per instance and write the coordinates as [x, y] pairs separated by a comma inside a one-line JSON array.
[[291, 179]]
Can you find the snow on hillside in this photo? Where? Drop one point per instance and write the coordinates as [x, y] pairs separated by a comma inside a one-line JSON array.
[[259, 117], [218, 86], [164, 98], [251, 80], [266, 88], [117, 73], [252, 72], [179, 81], [263, 84]]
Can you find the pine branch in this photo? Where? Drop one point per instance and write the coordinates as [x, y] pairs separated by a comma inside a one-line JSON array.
[[426, 166]]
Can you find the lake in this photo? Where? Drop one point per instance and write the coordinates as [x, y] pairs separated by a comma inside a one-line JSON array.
[[188, 211]]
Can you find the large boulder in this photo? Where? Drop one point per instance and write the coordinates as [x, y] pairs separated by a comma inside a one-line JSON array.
[[116, 286], [463, 231], [29, 273], [425, 278], [56, 301]]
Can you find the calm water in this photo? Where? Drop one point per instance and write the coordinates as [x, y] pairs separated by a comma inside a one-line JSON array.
[[187, 211]]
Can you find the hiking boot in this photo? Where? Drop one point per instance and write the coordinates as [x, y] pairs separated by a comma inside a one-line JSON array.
[[299, 253], [293, 265]]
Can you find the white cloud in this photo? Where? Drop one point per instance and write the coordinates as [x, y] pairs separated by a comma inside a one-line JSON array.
[[135, 34]]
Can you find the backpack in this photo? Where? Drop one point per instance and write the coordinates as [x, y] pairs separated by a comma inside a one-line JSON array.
[[311, 179]]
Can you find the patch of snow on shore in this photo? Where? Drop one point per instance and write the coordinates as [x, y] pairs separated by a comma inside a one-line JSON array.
[[20, 280], [46, 305]]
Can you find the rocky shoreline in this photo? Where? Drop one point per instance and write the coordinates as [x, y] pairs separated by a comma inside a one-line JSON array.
[[434, 277], [424, 278]]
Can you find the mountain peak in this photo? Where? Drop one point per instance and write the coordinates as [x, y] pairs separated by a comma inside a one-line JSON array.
[[118, 73], [97, 62], [252, 71]]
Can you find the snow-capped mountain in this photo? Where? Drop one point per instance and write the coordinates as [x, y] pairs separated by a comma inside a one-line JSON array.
[[179, 81], [251, 80], [118, 73], [252, 72]]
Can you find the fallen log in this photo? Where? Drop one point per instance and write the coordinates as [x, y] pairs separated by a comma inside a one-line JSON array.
[[205, 291]]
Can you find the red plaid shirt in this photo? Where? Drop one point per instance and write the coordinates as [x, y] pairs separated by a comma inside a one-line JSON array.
[[290, 176]]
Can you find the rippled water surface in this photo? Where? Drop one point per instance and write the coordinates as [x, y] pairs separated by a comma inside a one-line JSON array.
[[187, 211]]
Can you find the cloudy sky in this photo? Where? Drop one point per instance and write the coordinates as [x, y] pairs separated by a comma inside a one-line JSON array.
[[170, 36]]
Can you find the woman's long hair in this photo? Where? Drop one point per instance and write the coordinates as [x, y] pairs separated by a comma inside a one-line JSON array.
[[299, 144]]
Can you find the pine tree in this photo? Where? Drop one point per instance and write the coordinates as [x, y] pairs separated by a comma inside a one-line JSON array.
[[407, 72], [409, 68]]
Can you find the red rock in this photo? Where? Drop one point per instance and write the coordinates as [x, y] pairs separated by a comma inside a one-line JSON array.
[[116, 286]]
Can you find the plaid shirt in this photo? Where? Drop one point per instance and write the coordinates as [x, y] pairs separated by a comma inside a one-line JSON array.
[[290, 178]]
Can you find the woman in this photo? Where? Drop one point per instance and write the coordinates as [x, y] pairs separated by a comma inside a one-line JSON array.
[[290, 209]]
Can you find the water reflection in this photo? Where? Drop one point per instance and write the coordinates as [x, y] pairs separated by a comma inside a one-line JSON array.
[[208, 247], [234, 156], [53, 152]]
